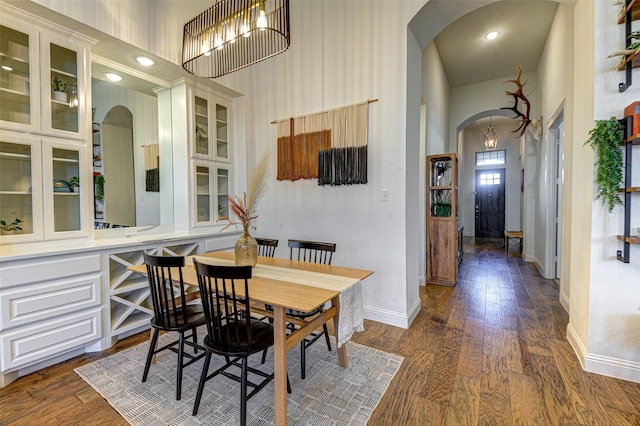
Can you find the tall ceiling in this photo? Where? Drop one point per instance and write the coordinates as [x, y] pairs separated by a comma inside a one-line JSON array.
[[468, 57]]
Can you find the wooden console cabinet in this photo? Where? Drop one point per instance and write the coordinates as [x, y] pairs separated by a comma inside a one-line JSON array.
[[443, 244]]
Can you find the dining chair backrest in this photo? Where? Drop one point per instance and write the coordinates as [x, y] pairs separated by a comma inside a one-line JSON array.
[[167, 290], [311, 251], [224, 291], [266, 246]]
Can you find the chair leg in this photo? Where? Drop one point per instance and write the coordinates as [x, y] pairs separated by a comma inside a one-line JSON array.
[[243, 393], [203, 379], [303, 360], [152, 346], [326, 336], [179, 367], [195, 340], [264, 356]]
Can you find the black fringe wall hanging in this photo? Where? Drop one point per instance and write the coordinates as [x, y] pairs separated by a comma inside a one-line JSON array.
[[152, 167], [330, 146]]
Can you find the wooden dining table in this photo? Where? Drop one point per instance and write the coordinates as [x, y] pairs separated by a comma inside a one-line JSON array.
[[290, 284]]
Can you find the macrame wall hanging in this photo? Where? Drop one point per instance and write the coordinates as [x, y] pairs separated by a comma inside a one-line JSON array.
[[152, 167], [330, 146]]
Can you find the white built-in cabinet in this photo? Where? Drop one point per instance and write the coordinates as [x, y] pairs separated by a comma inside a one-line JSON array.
[[210, 148], [43, 133]]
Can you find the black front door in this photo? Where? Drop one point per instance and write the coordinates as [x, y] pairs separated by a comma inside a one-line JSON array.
[[490, 203]]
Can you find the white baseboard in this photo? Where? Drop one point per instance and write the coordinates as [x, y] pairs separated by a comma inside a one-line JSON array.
[[565, 302], [389, 317], [605, 365], [422, 280], [612, 367], [576, 344], [539, 266]]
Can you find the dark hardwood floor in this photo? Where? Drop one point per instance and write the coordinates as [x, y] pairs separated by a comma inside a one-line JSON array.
[[489, 351]]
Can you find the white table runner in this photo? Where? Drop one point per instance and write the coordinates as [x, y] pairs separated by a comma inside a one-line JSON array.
[[350, 318]]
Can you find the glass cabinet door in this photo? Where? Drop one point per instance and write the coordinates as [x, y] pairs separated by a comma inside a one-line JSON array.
[[20, 194], [203, 194], [66, 192], [18, 97], [222, 136], [64, 88], [222, 193], [201, 139], [63, 79]]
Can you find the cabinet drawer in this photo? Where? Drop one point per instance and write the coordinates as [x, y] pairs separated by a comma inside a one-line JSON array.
[[28, 304], [38, 342], [27, 272]]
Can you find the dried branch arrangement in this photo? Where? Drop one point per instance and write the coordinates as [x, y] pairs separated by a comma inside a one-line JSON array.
[[244, 208]]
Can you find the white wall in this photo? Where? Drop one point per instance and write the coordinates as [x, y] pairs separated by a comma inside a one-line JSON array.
[[614, 296], [352, 51], [145, 131], [435, 95], [467, 101], [342, 59], [555, 76]]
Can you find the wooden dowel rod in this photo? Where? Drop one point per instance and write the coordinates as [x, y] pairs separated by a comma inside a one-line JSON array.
[[369, 101]]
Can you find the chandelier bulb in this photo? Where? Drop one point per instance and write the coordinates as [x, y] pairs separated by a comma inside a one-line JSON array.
[[231, 34], [218, 41], [262, 19], [245, 30]]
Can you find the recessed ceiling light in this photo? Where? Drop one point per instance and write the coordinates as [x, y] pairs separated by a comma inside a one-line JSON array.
[[112, 76], [7, 68], [143, 60], [492, 35]]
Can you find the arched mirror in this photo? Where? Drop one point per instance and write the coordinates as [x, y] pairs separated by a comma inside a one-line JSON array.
[[118, 167], [125, 152]]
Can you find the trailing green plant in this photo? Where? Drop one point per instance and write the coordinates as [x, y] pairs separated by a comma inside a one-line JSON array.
[[99, 188], [13, 226], [58, 85], [74, 181], [606, 139]]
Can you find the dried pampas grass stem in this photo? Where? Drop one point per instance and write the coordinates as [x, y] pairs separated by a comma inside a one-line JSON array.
[[255, 188]]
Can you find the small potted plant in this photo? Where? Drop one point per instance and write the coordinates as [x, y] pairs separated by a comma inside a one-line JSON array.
[[441, 206], [9, 228], [74, 183], [59, 87]]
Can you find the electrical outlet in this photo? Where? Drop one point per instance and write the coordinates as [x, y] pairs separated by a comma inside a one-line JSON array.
[[130, 231]]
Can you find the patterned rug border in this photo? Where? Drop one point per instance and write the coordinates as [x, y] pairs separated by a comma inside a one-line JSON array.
[[330, 395]]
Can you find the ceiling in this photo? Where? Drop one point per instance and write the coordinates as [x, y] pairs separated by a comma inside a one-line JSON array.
[[468, 57]]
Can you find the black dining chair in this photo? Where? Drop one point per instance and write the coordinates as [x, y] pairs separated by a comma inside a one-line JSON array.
[[266, 246], [231, 331], [316, 252], [171, 312]]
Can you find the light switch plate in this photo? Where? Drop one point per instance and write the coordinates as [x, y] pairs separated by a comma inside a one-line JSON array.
[[384, 195]]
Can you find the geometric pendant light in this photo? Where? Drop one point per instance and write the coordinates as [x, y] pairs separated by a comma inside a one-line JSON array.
[[234, 34]]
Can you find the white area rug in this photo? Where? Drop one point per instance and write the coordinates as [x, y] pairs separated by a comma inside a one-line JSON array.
[[330, 395]]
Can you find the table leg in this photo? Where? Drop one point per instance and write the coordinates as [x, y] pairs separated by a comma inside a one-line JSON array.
[[342, 350], [280, 364]]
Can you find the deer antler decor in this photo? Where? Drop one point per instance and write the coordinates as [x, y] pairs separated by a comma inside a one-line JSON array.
[[519, 95]]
